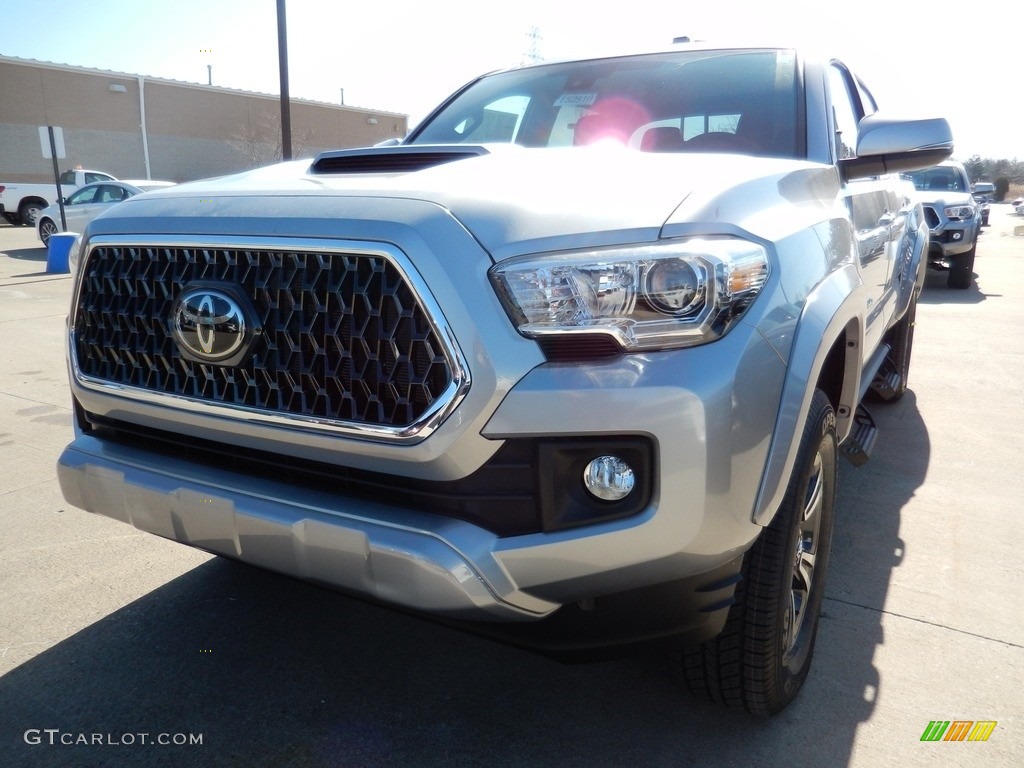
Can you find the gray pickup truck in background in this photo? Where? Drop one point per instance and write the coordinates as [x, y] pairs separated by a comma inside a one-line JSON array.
[[954, 219], [571, 365]]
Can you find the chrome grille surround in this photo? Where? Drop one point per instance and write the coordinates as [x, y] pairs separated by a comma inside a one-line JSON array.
[[272, 272]]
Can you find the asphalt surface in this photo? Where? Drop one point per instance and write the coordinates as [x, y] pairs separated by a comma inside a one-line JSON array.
[[107, 634]]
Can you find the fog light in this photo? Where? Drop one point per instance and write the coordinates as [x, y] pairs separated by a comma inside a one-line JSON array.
[[957, 235], [608, 478]]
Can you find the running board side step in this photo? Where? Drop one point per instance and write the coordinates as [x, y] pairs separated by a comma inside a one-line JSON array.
[[858, 446], [887, 381]]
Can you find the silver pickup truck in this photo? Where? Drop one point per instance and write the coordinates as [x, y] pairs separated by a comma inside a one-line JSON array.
[[571, 365]]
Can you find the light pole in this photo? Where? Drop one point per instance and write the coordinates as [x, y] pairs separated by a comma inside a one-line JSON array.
[[286, 111]]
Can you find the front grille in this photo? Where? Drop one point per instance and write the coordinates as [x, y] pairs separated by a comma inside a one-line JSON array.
[[344, 339], [931, 217]]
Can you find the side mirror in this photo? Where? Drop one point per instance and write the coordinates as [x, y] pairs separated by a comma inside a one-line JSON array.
[[887, 145]]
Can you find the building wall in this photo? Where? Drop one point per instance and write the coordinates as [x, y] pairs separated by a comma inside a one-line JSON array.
[[192, 131]]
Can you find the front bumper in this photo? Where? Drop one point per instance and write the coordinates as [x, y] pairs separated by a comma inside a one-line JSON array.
[[444, 567], [401, 557], [945, 243], [948, 237]]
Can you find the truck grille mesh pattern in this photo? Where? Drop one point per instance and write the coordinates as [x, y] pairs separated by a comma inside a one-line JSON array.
[[343, 339]]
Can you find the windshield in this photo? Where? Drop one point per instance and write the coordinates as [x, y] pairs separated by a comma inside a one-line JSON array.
[[943, 179], [735, 101]]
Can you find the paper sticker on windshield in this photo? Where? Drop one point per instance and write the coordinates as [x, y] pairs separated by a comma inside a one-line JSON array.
[[576, 100]]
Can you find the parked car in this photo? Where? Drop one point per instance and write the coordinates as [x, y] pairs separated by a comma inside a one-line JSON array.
[[954, 220], [984, 194], [87, 203], [572, 365], [20, 203]]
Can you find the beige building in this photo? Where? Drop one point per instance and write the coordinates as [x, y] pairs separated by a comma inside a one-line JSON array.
[[138, 127]]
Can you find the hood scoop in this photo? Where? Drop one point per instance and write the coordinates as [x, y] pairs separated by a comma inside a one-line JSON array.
[[391, 159]]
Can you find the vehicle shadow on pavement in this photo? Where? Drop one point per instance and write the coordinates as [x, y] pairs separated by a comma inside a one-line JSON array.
[[272, 671], [937, 292], [28, 254], [866, 549]]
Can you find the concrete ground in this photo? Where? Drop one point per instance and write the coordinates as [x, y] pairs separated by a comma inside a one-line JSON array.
[[107, 634]]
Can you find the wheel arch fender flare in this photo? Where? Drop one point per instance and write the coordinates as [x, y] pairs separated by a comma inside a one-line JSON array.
[[828, 341], [913, 262], [28, 199]]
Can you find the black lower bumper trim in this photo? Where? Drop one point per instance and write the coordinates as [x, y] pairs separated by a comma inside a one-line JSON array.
[[678, 613]]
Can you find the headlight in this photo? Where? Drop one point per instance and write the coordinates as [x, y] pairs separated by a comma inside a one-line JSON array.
[[959, 212], [674, 294]]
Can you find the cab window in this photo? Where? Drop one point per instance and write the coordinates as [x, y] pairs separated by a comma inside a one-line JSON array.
[[83, 196], [497, 122]]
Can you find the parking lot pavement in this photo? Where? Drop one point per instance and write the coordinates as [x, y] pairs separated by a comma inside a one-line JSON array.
[[123, 640]]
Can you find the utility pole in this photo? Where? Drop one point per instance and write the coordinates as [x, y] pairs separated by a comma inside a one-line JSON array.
[[286, 109]]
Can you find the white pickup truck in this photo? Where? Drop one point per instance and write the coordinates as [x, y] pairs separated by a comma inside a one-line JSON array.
[[21, 203]]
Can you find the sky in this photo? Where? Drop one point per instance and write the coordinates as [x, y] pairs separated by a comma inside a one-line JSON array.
[[949, 58]]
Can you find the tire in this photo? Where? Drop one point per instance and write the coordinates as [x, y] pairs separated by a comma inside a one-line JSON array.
[[961, 270], [13, 219], [46, 229], [29, 210], [761, 659]]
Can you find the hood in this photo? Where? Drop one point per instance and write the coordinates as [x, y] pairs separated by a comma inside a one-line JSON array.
[[511, 199], [939, 199]]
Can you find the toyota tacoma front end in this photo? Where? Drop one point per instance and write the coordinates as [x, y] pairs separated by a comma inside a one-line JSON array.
[[572, 362]]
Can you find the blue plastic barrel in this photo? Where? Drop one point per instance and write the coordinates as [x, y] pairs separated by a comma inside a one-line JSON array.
[[57, 252]]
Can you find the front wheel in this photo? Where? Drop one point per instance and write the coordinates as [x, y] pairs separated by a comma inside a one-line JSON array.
[[762, 657], [46, 230], [961, 270]]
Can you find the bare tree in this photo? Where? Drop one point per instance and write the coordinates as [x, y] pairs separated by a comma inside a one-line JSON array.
[[259, 141]]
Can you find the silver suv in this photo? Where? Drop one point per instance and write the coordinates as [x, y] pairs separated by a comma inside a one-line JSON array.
[[954, 220]]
